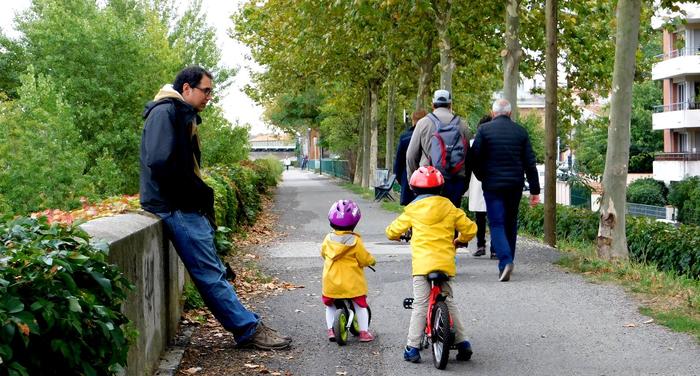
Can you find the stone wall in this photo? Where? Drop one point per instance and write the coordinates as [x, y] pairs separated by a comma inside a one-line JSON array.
[[137, 246]]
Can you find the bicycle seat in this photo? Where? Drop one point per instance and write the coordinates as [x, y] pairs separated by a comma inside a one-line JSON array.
[[438, 276]]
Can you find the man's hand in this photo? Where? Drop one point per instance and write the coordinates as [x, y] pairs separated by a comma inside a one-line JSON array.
[[534, 200], [459, 244]]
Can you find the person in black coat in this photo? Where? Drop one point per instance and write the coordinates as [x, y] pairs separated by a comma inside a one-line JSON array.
[[402, 177], [502, 157]]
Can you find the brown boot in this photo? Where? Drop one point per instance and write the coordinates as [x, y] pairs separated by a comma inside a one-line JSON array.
[[268, 339]]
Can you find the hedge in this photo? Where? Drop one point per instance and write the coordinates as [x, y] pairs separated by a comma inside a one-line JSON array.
[[670, 248], [60, 299], [647, 191], [59, 302]]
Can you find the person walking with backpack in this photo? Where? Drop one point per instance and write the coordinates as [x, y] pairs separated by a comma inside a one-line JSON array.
[[407, 194], [502, 156], [441, 140]]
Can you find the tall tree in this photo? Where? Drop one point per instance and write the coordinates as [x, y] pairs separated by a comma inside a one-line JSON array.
[[550, 125], [612, 240], [512, 54]]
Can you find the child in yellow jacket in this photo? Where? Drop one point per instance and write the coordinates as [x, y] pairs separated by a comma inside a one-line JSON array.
[[434, 220], [344, 257]]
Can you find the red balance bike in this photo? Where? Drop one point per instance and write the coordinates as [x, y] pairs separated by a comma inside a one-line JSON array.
[[439, 328]]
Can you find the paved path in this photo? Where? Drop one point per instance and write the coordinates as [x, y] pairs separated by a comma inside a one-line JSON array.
[[544, 322]]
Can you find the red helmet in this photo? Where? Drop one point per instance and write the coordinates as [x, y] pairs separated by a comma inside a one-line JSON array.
[[426, 177]]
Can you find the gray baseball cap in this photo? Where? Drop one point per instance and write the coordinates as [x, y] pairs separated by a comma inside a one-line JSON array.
[[441, 97]]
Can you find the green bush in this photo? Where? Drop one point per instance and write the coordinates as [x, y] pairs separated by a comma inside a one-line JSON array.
[[59, 303], [647, 191], [685, 195], [649, 241]]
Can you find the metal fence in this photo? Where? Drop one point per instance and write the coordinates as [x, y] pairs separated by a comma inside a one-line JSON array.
[[333, 167], [641, 210]]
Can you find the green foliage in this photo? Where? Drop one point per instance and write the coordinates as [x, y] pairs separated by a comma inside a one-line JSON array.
[[647, 191], [41, 158], [669, 248], [59, 303], [685, 195], [535, 129], [193, 300], [644, 142], [222, 143], [237, 190]]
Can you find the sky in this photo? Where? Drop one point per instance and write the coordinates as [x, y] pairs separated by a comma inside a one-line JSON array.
[[238, 107]]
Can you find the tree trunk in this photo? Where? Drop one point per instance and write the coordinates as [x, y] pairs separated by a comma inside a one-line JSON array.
[[374, 123], [550, 126], [365, 141], [443, 10], [390, 124], [357, 179], [512, 55], [612, 240], [425, 78]]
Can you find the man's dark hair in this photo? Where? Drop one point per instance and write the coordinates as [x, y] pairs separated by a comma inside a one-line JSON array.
[[484, 119], [438, 105], [191, 75]]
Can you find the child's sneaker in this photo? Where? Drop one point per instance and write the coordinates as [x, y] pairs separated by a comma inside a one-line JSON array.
[[411, 354], [366, 336], [464, 351], [331, 335]]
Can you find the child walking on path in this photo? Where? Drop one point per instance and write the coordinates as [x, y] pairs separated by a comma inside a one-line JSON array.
[[344, 257], [434, 220]]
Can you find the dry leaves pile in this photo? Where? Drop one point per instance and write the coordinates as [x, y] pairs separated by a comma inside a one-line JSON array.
[[105, 208]]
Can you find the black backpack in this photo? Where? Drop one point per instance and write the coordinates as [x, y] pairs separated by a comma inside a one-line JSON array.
[[448, 148]]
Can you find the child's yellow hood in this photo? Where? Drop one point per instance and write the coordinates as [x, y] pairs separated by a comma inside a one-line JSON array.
[[339, 243]]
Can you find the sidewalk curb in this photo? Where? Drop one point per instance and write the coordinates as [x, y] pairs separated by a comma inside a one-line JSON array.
[[171, 359]]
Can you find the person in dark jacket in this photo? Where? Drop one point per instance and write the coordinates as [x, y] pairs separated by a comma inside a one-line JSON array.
[[172, 188], [402, 177], [502, 156]]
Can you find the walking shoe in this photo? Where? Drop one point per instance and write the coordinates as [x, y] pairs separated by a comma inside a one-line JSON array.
[[480, 251], [366, 336], [505, 275], [268, 339], [493, 256], [464, 351], [331, 335], [411, 354]]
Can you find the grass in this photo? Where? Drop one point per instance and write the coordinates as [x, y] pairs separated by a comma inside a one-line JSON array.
[[368, 194], [671, 300]]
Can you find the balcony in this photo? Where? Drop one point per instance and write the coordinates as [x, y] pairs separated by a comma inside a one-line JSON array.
[[676, 116], [677, 63], [676, 166]]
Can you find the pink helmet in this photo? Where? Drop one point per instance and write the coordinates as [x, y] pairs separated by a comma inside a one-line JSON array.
[[344, 214]]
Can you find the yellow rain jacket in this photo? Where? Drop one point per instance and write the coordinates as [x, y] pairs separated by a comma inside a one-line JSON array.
[[434, 220], [344, 257]]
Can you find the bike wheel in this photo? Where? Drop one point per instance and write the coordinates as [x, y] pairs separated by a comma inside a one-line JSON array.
[[340, 327], [441, 335]]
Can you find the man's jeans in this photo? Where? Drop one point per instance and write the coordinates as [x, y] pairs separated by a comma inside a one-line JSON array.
[[502, 211], [193, 238], [454, 189]]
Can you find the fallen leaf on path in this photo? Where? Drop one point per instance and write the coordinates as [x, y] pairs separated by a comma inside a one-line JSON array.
[[341, 373], [248, 365], [630, 325], [193, 370], [649, 321]]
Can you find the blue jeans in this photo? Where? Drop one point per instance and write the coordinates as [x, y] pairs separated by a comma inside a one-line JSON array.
[[193, 238], [502, 211]]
